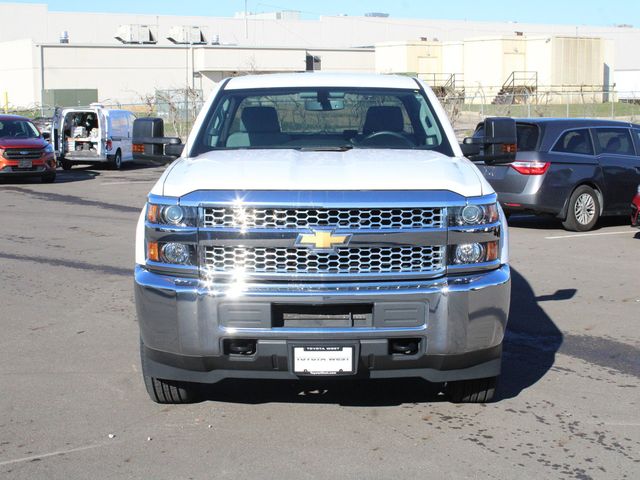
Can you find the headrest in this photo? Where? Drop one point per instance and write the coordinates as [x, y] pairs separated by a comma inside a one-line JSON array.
[[385, 118], [260, 120]]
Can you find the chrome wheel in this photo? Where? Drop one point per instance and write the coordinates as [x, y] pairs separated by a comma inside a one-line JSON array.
[[584, 209]]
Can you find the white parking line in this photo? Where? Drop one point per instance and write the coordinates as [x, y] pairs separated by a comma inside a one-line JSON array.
[[51, 454], [627, 232], [128, 181]]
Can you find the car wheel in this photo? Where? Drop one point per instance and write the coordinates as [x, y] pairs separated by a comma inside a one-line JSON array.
[[116, 161], [48, 177], [583, 211], [167, 391], [481, 390], [66, 164]]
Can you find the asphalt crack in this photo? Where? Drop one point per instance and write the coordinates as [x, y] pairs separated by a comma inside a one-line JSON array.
[[73, 200]]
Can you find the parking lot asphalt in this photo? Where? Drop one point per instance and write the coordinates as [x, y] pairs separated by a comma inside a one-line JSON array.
[[73, 405]]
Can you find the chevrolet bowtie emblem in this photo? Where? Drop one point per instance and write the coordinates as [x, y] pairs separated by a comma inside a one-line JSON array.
[[322, 240]]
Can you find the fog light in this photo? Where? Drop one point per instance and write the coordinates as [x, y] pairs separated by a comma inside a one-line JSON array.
[[176, 253], [469, 253], [173, 214]]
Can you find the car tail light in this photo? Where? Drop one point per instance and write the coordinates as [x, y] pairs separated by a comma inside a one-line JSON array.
[[138, 148], [531, 168], [109, 144]]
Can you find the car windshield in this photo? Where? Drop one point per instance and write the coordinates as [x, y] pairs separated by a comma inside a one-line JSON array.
[[18, 129], [322, 119]]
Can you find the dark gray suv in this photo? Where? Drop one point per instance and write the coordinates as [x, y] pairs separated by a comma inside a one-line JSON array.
[[575, 169]]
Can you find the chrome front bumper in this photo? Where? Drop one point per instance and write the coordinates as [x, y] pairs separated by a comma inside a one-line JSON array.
[[183, 323]]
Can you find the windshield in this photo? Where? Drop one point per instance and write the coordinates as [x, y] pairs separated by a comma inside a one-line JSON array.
[[18, 129], [322, 119]]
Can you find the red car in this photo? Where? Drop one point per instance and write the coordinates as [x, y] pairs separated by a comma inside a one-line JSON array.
[[24, 151], [635, 209]]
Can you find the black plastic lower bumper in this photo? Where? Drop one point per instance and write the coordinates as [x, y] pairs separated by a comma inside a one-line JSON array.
[[272, 360]]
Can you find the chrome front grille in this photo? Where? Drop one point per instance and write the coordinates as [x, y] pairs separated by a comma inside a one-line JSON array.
[[401, 259], [368, 218], [22, 153]]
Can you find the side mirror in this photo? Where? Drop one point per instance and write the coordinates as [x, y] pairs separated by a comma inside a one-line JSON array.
[[150, 145], [46, 136], [498, 144], [174, 149]]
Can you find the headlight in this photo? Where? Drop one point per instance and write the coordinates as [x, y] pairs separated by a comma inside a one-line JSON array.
[[468, 253], [173, 215], [473, 253], [176, 253], [172, 252], [48, 149], [471, 215]]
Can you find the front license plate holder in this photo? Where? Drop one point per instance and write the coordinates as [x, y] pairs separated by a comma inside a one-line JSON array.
[[25, 164], [323, 360]]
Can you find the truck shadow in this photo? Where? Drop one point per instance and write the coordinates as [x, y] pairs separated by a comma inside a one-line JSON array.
[[532, 338], [530, 345]]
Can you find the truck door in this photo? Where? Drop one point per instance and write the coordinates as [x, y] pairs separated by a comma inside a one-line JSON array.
[[127, 130], [56, 129], [103, 132], [619, 164]]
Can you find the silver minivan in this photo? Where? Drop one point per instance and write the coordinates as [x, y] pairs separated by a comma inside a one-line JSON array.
[[93, 135], [575, 169]]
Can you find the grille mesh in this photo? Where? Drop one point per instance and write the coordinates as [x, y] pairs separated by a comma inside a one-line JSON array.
[[342, 261], [378, 219], [23, 153]]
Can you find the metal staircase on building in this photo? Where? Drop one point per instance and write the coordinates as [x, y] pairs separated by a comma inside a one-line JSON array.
[[520, 87], [445, 85]]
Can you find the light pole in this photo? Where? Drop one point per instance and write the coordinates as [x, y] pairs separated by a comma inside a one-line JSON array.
[[246, 21]]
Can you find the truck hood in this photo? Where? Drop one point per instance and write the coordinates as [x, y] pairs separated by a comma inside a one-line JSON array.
[[357, 169]]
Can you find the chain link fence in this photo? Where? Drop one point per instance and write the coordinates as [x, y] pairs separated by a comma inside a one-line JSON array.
[[465, 108]]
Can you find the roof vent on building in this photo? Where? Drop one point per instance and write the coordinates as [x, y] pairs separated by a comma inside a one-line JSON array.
[[188, 35], [64, 36], [136, 34]]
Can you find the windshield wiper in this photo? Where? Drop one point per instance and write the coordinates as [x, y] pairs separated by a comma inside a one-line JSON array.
[[326, 148]]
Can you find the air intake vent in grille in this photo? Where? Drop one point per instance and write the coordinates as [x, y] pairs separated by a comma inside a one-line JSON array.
[[342, 261], [379, 218], [23, 153]]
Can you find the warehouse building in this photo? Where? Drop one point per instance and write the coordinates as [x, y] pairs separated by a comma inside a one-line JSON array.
[[519, 65], [69, 58]]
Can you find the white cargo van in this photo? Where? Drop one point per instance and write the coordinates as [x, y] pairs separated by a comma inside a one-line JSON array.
[[93, 135]]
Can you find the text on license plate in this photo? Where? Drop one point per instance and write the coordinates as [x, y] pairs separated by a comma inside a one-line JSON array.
[[25, 164], [323, 360]]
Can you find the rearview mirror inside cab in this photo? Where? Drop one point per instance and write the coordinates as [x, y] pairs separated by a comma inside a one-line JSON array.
[[495, 142]]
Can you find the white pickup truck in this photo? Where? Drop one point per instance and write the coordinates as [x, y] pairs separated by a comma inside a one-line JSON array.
[[322, 225]]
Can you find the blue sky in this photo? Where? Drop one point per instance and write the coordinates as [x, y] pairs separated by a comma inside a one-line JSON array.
[[585, 12]]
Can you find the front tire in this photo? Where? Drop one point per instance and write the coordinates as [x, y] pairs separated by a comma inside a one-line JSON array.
[[583, 211], [66, 164], [167, 391], [480, 390]]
